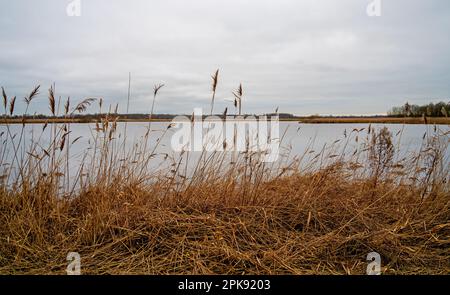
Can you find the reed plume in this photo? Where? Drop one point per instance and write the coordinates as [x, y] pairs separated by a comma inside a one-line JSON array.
[[67, 106], [51, 101], [5, 98], [32, 95], [238, 98], [82, 106], [215, 78], [11, 105], [156, 89]]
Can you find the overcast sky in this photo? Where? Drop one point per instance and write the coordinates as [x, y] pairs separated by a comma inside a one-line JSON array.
[[305, 56]]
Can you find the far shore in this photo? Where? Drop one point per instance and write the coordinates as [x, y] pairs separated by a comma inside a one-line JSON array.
[[305, 120]]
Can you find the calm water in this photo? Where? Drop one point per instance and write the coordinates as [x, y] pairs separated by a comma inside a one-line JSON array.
[[297, 139]]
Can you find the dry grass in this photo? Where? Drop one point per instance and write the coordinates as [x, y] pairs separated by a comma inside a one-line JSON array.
[[311, 224], [239, 218]]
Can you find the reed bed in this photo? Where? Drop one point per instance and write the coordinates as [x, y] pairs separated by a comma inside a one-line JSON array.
[[317, 213]]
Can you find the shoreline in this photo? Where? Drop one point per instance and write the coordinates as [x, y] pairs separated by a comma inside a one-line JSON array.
[[302, 120]]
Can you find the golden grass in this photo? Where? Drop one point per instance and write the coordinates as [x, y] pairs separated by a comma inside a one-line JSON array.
[[240, 218], [320, 223], [314, 224]]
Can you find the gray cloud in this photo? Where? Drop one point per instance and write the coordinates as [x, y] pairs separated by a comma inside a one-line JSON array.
[[325, 57]]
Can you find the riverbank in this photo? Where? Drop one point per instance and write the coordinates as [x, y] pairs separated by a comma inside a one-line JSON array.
[[236, 218], [319, 223], [304, 120], [376, 120]]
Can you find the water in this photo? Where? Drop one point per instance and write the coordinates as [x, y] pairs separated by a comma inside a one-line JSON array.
[[297, 140]]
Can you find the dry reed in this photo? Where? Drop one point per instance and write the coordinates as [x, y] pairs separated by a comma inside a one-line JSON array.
[[245, 217]]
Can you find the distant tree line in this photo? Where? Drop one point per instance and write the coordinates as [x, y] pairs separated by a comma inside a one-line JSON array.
[[440, 109], [93, 117]]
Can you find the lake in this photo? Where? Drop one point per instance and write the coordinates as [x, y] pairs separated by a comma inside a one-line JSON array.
[[297, 140]]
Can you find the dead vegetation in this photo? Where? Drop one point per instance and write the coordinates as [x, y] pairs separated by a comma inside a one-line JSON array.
[[245, 219]]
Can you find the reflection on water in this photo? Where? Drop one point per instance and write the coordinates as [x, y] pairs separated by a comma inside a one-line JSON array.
[[298, 141]]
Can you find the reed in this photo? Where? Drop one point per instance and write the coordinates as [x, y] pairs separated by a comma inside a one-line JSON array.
[[316, 213], [238, 99], [156, 89], [215, 80]]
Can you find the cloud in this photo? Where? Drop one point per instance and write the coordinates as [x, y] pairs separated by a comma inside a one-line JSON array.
[[306, 57]]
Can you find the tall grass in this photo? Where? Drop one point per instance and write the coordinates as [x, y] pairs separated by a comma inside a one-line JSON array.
[[315, 213]]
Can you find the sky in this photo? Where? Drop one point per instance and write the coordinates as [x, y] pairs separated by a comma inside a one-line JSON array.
[[303, 56]]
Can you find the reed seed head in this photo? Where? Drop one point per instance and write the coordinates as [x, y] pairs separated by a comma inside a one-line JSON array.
[[11, 105], [33, 94], [67, 106], [52, 101], [5, 98], [156, 88], [215, 79]]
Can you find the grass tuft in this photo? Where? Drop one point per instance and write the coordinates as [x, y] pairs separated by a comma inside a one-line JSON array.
[[318, 213]]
